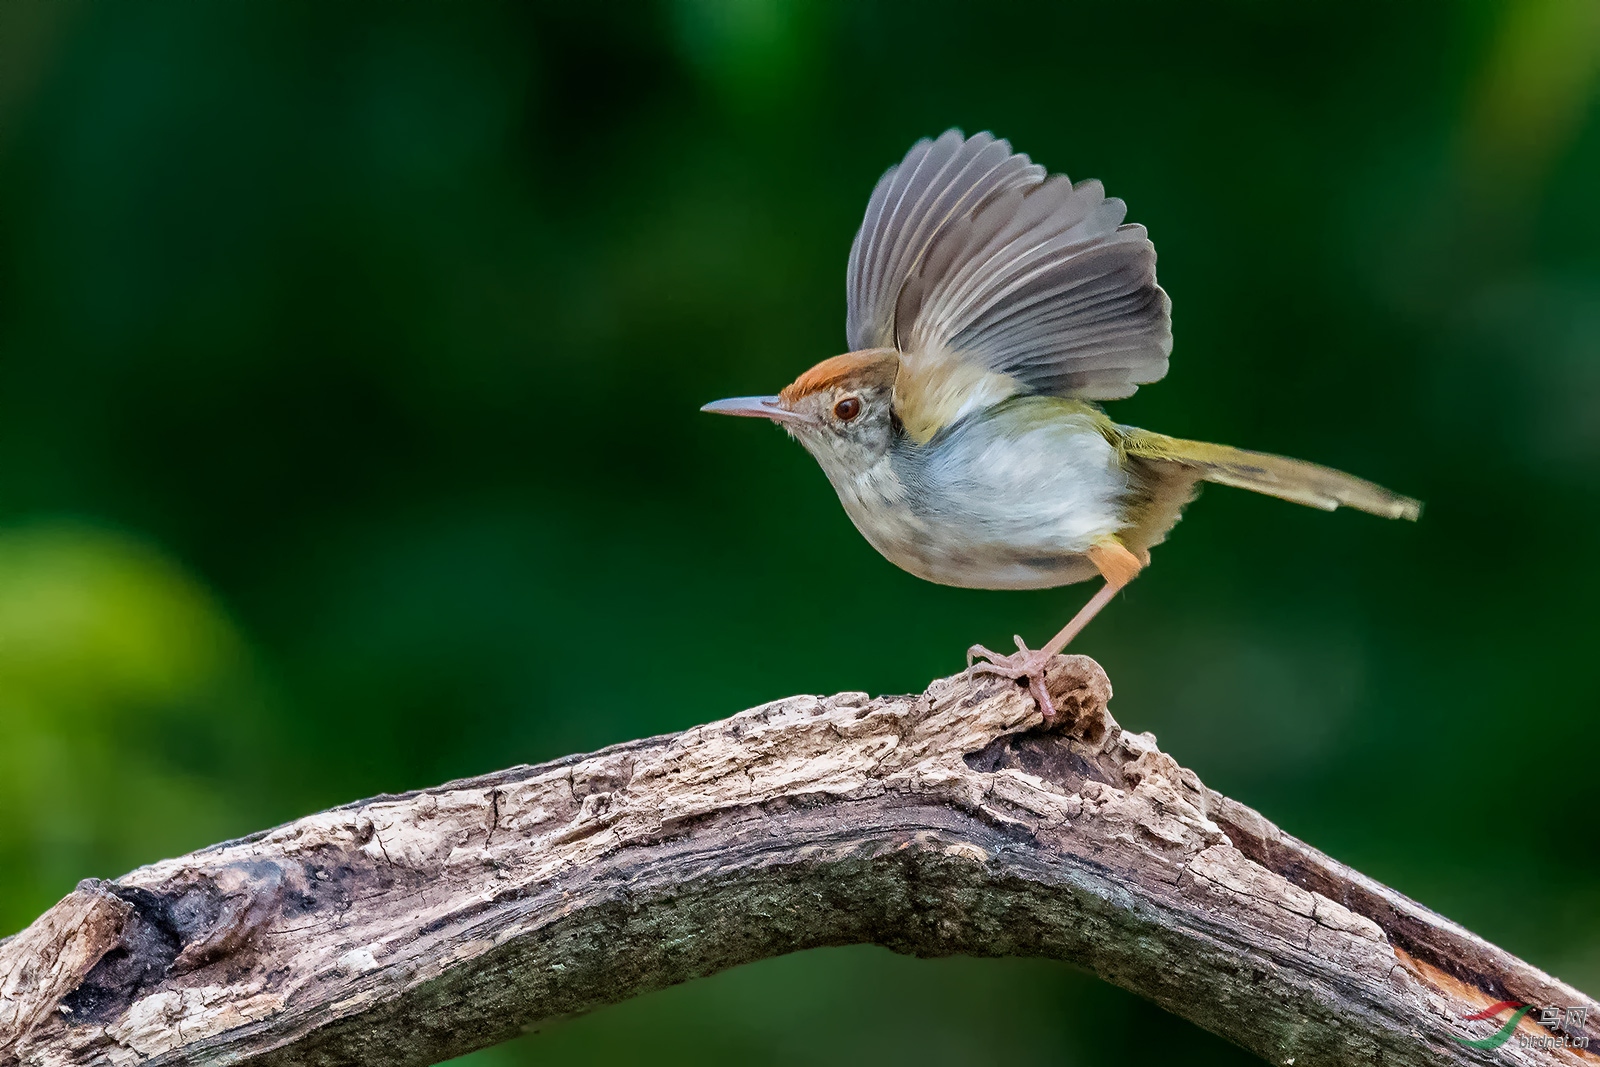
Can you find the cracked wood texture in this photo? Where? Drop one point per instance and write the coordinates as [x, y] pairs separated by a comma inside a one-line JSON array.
[[413, 928]]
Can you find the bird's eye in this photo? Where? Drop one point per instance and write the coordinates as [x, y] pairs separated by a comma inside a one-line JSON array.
[[847, 409]]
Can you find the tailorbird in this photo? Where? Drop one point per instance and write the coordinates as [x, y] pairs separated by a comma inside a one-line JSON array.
[[989, 306]]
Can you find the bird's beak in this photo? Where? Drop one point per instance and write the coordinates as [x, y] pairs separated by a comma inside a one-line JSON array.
[[756, 407]]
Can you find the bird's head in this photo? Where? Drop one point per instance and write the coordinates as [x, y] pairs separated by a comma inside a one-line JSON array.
[[841, 410]]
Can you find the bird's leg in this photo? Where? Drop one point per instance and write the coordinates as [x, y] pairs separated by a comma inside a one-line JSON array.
[[1119, 567]]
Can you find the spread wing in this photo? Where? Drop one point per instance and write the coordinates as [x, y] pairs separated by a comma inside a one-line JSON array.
[[992, 279]]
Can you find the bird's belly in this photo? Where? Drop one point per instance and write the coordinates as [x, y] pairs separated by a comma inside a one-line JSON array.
[[948, 558], [1031, 548]]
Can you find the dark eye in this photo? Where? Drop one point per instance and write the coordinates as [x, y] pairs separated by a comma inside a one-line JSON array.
[[847, 409]]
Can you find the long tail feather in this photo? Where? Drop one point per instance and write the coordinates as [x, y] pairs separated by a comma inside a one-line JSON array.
[[1279, 476]]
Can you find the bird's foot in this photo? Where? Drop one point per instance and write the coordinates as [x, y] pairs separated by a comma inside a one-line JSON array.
[[1022, 664]]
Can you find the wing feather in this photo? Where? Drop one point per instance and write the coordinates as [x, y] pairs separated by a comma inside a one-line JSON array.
[[938, 181], [981, 269]]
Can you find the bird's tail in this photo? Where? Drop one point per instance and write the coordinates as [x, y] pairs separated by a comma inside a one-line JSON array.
[[1279, 476]]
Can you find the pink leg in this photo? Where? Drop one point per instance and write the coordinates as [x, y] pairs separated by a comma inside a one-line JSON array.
[[1079, 621], [1119, 566]]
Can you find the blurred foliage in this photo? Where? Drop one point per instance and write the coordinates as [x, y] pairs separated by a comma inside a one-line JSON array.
[[114, 666], [349, 359]]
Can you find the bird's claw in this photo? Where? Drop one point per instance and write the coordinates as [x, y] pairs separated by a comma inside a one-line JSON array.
[[1019, 665]]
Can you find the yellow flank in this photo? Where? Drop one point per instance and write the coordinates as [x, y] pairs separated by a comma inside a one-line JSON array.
[[1288, 479]]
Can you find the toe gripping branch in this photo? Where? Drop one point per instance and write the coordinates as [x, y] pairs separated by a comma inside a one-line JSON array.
[[1056, 684]]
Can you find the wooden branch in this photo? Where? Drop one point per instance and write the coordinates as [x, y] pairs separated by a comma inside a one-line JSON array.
[[413, 928]]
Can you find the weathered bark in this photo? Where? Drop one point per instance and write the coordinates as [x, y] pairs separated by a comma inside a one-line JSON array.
[[408, 929]]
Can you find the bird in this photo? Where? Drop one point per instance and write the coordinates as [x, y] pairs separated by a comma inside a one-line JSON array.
[[990, 308]]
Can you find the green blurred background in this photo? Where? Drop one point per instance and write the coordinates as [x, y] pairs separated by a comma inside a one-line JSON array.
[[349, 364]]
